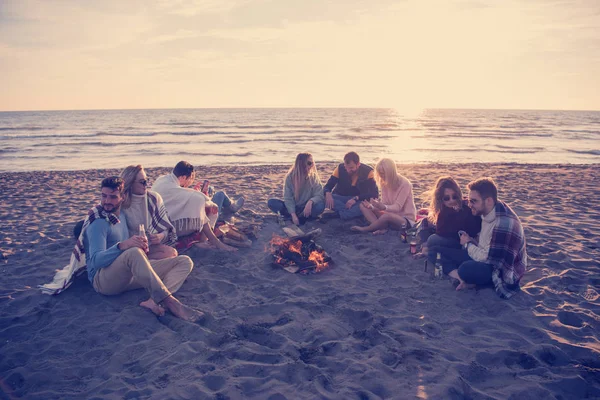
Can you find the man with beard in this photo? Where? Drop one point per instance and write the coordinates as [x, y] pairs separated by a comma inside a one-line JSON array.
[[117, 263], [498, 256], [350, 183]]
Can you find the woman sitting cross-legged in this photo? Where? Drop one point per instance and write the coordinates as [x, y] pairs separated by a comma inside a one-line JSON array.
[[302, 192], [397, 206], [450, 214]]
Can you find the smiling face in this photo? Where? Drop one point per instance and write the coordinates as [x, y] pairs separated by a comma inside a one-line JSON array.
[[140, 183], [450, 198], [111, 199], [477, 204]]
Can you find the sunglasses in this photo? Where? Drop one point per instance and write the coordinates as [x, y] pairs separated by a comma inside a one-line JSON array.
[[309, 163], [447, 198], [143, 182]]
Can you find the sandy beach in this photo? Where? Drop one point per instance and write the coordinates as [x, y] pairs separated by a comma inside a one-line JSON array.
[[375, 325]]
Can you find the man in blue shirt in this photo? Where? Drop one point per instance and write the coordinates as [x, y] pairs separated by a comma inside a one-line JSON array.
[[117, 263]]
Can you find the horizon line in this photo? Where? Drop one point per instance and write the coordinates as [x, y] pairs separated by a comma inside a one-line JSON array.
[[300, 107]]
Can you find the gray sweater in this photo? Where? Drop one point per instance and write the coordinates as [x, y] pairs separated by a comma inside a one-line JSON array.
[[311, 190]]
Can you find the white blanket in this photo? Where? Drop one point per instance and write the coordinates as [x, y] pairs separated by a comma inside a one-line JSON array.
[[185, 206]]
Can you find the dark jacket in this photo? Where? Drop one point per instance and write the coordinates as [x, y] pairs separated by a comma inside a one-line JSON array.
[[365, 188], [450, 221]]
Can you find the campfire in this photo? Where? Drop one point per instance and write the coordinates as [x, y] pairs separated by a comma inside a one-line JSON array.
[[298, 254]]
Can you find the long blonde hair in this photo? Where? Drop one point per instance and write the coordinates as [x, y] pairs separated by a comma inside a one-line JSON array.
[[299, 175], [129, 175], [386, 174], [437, 193]]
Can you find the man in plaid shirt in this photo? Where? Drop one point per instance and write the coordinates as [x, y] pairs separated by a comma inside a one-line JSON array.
[[498, 256]]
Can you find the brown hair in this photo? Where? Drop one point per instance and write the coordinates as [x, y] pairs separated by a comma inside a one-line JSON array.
[[437, 193], [486, 187]]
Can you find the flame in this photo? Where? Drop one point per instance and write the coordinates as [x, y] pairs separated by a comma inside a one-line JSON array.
[[278, 245], [317, 258]]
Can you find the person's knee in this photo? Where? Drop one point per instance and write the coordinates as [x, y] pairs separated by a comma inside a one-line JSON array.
[[134, 252], [171, 252], [273, 204], [433, 240], [186, 262], [386, 217], [317, 209]]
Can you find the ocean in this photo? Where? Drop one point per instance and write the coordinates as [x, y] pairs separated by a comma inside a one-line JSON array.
[[75, 140]]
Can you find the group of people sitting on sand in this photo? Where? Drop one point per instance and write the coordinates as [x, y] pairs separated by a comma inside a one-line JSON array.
[[480, 239], [489, 250]]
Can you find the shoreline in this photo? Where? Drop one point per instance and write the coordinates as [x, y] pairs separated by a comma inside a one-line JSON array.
[[288, 164], [374, 324]]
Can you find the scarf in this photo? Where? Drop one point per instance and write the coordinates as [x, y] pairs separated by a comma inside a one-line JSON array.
[[156, 219], [507, 252], [185, 205], [64, 277]]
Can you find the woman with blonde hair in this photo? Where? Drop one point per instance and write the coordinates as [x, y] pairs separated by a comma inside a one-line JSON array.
[[450, 213], [397, 205], [302, 192], [144, 207]]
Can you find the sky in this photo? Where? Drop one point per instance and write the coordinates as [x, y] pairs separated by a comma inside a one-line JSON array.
[[504, 54]]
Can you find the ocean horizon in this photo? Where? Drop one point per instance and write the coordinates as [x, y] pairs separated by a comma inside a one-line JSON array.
[[84, 139]]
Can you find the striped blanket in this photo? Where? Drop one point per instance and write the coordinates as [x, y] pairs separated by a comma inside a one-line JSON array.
[[159, 219], [507, 252], [64, 277]]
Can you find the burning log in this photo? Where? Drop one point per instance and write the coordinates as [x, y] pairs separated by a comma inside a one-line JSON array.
[[299, 254]]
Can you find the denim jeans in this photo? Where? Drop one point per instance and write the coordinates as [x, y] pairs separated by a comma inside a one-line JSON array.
[[477, 273], [221, 200], [339, 205], [435, 244], [277, 205], [453, 256]]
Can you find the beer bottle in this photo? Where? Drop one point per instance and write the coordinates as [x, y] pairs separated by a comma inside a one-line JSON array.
[[438, 272]]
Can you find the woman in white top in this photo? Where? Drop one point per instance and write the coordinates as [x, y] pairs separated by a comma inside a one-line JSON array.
[[135, 207]]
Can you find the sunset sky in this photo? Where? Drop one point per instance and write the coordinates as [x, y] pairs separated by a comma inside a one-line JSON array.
[[278, 53]]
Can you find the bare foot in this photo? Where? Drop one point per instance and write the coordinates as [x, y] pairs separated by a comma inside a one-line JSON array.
[[152, 306], [181, 310], [380, 232], [358, 229], [464, 286]]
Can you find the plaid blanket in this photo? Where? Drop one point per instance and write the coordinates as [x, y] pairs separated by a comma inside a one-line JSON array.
[[507, 252], [64, 277], [160, 220]]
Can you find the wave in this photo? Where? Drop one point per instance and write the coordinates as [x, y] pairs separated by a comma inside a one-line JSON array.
[[196, 154], [469, 135], [104, 144], [24, 128], [463, 150], [346, 136], [580, 131], [590, 152]]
